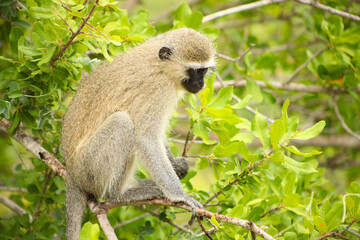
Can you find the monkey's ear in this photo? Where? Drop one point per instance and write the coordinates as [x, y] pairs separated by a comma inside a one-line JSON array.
[[165, 53]]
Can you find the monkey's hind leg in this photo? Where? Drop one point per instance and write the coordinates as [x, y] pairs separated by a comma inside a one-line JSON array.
[[108, 157], [143, 190]]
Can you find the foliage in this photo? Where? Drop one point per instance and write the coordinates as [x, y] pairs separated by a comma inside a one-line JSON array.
[[259, 162]]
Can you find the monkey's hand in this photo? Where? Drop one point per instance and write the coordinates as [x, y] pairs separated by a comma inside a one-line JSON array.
[[181, 166]]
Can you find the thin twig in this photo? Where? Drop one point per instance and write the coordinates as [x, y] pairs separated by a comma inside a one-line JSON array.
[[13, 189], [47, 178], [203, 228], [330, 9], [235, 181], [223, 84], [272, 210], [101, 215], [287, 87], [191, 143], [63, 20], [348, 226], [239, 8], [332, 234], [343, 124], [240, 57], [64, 47], [93, 27], [124, 223], [302, 66], [184, 154], [13, 206], [354, 233], [168, 221]]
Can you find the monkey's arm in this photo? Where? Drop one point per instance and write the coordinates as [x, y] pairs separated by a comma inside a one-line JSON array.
[[180, 164], [155, 159]]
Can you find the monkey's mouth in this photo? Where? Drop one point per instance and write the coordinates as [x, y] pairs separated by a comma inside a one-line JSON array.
[[193, 86], [195, 82]]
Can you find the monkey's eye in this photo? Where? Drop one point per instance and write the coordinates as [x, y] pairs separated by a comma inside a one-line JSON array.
[[201, 71]]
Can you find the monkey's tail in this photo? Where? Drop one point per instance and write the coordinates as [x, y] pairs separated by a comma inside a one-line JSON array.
[[76, 200]]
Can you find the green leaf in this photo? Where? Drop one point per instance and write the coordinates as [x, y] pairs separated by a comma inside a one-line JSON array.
[[226, 150], [193, 114], [215, 222], [311, 132], [259, 127], [267, 61], [46, 57], [333, 217], [28, 120], [90, 231], [41, 13], [277, 157], [289, 182], [205, 97], [223, 97], [296, 151], [200, 130], [254, 90], [290, 236], [195, 20], [5, 107], [308, 225], [60, 183], [30, 51], [284, 115], [182, 12], [277, 131], [225, 114], [237, 211], [301, 168], [243, 103], [14, 124], [15, 34], [202, 163], [6, 59], [320, 224]]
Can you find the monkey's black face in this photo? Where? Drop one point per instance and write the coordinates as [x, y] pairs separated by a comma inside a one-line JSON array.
[[195, 81]]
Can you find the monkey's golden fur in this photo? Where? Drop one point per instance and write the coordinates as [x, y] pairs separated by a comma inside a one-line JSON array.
[[123, 108]]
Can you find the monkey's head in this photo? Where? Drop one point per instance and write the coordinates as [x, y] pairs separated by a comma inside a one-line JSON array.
[[188, 55]]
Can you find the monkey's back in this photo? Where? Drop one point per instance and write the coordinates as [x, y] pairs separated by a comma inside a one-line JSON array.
[[111, 87], [137, 82]]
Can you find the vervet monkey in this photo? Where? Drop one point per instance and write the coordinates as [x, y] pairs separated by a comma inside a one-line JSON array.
[[121, 110]]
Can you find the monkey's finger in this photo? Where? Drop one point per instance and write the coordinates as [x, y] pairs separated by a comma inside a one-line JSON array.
[[192, 216]]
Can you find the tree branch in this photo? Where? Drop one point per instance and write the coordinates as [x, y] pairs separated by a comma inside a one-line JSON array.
[[287, 87], [239, 8], [240, 57], [316, 4], [302, 66], [13, 206], [34, 147], [199, 212], [332, 234], [124, 223], [64, 47], [13, 189], [343, 124], [101, 209]]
